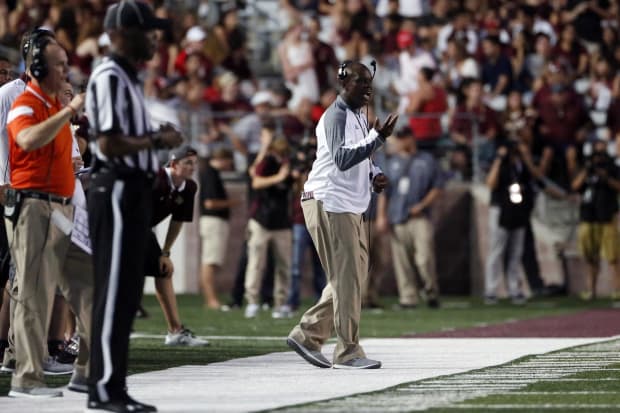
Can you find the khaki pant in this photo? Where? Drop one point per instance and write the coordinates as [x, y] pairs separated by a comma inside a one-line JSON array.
[[258, 245], [412, 247], [44, 259], [342, 244]]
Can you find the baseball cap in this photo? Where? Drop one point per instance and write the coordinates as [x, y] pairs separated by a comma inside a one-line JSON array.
[[181, 152], [261, 97], [132, 14], [404, 39], [195, 34]]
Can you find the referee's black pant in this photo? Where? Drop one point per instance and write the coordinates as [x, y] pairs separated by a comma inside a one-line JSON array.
[[120, 208]]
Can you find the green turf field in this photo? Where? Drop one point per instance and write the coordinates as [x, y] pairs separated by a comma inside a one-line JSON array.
[[150, 354]]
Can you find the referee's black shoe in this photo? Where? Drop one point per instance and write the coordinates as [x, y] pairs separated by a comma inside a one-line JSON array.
[[125, 405]]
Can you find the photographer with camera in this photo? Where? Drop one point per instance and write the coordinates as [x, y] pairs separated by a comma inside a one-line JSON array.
[[599, 183], [511, 181]]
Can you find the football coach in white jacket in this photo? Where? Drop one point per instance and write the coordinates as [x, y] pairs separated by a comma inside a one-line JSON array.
[[335, 197]]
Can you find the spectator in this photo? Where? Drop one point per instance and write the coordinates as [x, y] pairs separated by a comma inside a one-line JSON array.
[[510, 181], [6, 70], [245, 133], [215, 209], [412, 58], [471, 114], [232, 40], [325, 61], [270, 224], [569, 50], [496, 70], [406, 209], [173, 195], [297, 61], [458, 65], [426, 106], [599, 184], [194, 43]]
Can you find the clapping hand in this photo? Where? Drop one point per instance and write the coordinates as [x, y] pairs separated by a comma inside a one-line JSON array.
[[386, 129]]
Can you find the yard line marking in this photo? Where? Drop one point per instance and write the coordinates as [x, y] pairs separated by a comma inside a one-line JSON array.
[[532, 406], [453, 392]]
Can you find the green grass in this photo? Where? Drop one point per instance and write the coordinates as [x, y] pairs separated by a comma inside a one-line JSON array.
[[151, 354]]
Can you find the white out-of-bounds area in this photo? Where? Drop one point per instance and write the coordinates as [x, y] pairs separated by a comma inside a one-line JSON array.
[[284, 379]]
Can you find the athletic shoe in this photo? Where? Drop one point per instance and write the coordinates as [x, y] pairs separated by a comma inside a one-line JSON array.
[[284, 311], [518, 300], [586, 295], [490, 300], [4, 344], [78, 383], [433, 303], [34, 393], [125, 405], [53, 367], [9, 367], [401, 307], [185, 337], [141, 312], [73, 346], [251, 310], [316, 358], [359, 363]]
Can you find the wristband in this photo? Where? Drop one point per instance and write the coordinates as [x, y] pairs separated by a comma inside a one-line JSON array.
[[165, 253]]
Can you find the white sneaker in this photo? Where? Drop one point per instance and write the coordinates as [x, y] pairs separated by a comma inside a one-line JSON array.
[[184, 338], [284, 311], [251, 310], [34, 393]]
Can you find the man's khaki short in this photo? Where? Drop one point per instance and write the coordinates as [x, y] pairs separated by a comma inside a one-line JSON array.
[[214, 233], [599, 240]]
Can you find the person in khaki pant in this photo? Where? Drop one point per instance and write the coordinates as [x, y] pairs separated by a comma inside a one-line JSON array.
[[405, 210], [270, 223], [39, 213], [335, 197]]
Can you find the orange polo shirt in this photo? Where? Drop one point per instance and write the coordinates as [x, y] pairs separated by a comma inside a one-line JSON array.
[[46, 169]]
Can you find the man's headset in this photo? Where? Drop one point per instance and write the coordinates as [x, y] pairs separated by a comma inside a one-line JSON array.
[[343, 72], [35, 46]]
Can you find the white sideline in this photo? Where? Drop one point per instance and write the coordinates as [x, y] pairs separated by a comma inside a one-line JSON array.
[[284, 379]]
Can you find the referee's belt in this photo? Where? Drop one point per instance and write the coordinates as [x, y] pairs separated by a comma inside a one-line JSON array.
[[305, 196], [64, 200]]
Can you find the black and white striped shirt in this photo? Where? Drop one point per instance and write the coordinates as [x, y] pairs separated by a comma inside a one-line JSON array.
[[115, 105]]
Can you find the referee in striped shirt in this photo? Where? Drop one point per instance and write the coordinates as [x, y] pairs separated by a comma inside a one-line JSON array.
[[120, 197]]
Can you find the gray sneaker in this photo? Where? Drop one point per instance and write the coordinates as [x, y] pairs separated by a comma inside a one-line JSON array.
[[316, 358], [359, 363], [78, 383], [34, 393], [51, 367]]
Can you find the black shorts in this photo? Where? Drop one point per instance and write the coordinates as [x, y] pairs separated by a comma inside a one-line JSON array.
[[153, 253]]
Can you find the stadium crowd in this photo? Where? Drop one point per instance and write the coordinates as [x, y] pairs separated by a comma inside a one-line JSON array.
[[521, 95]]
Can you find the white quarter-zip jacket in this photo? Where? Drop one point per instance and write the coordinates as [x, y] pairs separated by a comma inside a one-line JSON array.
[[342, 173]]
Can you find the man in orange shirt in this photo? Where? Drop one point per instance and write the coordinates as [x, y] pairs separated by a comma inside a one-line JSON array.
[[38, 209]]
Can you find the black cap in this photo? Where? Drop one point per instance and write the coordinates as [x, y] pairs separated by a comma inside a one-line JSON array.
[[181, 152], [129, 14]]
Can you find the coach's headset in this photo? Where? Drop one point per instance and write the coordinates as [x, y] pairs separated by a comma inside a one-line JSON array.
[[39, 40], [343, 72]]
